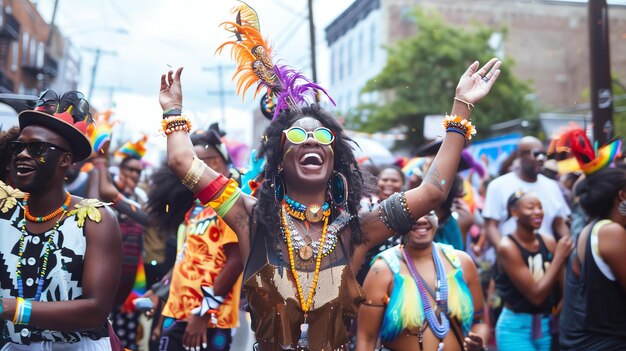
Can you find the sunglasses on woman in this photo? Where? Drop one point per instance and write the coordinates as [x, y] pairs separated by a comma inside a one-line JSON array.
[[297, 135], [35, 148]]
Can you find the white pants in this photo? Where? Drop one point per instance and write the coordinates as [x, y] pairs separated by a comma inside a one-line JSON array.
[[103, 344]]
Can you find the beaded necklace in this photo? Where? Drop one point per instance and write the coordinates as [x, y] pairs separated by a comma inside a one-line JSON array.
[[63, 208], [44, 266], [312, 213], [440, 330], [332, 236], [305, 303]]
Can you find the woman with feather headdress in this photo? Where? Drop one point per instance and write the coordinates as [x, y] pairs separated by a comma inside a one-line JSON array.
[[303, 237]]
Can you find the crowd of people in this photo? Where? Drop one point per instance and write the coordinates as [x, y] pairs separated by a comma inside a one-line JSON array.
[[321, 252]]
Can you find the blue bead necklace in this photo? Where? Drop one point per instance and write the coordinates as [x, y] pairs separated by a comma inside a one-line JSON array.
[[439, 329]]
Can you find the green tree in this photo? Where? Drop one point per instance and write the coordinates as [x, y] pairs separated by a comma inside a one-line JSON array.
[[420, 78], [619, 108]]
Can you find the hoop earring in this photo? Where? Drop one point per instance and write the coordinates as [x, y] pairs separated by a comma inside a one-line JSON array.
[[622, 208], [279, 188], [338, 189]]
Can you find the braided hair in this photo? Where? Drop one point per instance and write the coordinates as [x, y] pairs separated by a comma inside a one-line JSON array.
[[267, 210]]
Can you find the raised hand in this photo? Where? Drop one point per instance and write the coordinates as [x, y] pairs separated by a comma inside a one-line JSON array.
[[171, 93], [475, 83]]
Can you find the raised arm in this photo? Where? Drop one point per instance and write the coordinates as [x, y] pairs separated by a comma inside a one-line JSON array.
[[101, 273], [510, 260], [473, 86], [181, 156]]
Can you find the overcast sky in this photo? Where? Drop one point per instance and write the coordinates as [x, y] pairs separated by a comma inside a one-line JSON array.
[[181, 33]]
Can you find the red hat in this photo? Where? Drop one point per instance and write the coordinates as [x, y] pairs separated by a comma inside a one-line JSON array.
[[68, 116]]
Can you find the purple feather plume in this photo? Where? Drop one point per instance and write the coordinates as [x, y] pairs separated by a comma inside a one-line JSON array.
[[295, 89]]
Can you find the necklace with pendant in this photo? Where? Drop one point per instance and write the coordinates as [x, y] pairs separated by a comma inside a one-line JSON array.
[[439, 329]]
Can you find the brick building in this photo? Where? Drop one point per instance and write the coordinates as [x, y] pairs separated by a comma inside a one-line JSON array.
[[32, 54], [547, 39]]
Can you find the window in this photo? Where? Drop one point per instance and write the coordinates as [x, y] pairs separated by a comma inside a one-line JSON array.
[[373, 42], [349, 63], [332, 66], [41, 50], [340, 63], [25, 43], [33, 51], [359, 50], [15, 54]]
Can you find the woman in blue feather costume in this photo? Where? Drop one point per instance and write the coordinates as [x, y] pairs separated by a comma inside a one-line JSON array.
[[422, 296]]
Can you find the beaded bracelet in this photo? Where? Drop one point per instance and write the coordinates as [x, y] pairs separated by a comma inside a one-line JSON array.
[[175, 123], [460, 124], [194, 173], [396, 214], [228, 192], [212, 189]]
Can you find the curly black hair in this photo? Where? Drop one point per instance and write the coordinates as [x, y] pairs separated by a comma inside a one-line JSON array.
[[5, 156], [267, 209], [597, 191]]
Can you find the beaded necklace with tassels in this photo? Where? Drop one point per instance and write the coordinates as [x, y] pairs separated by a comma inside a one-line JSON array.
[[439, 329], [305, 301], [44, 265]]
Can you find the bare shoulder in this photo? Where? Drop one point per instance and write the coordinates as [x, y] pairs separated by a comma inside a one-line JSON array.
[[549, 241], [613, 230]]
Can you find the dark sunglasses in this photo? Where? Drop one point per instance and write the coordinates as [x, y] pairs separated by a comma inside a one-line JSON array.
[[35, 148], [533, 153], [297, 135], [133, 169]]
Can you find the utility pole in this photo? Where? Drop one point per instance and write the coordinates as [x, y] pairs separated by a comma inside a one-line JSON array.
[[601, 91], [94, 69], [221, 92], [52, 24], [313, 55]]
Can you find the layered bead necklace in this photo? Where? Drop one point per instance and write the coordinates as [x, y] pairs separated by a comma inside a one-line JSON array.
[[439, 329], [305, 302], [306, 248], [53, 214], [47, 245]]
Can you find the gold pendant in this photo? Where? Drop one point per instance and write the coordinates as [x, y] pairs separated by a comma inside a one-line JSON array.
[[305, 252], [314, 213]]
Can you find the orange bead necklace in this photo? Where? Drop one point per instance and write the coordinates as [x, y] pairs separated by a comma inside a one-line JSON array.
[[58, 211]]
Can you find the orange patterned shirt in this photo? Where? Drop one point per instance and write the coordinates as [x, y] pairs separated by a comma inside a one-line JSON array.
[[199, 260]]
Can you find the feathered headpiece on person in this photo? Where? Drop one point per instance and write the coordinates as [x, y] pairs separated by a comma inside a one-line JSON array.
[[286, 87], [588, 158]]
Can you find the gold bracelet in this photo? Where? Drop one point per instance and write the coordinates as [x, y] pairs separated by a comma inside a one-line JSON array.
[[193, 174]]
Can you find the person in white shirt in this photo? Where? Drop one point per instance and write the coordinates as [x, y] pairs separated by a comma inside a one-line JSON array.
[[531, 156]]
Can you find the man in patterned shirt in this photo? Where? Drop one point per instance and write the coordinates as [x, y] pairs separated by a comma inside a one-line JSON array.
[[60, 255]]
